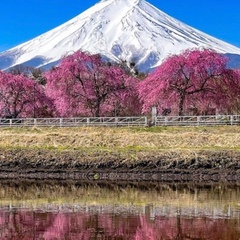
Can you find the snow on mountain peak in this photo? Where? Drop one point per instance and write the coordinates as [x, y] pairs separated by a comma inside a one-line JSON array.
[[131, 30], [126, 1]]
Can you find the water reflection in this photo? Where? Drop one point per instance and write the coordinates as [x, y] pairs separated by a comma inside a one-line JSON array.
[[50, 210]]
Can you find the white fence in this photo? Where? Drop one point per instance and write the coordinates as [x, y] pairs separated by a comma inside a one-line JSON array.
[[74, 122], [123, 121], [197, 120]]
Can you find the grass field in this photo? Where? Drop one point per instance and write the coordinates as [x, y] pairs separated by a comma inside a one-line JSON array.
[[133, 138]]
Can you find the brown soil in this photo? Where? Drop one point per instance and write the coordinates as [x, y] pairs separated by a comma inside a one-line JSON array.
[[200, 166]]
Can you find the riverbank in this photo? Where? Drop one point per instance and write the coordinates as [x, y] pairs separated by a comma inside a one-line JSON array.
[[157, 154]]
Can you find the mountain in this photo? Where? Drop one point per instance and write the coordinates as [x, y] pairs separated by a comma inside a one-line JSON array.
[[131, 30]]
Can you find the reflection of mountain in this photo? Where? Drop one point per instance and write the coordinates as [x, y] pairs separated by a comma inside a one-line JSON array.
[[139, 32]]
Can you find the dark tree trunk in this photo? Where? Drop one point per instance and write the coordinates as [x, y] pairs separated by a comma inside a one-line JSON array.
[[181, 103]]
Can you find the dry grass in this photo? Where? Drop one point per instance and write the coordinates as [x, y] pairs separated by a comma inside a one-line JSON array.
[[124, 146], [137, 139]]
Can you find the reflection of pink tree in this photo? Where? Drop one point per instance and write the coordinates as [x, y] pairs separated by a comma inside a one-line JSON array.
[[70, 226], [66, 225], [113, 226], [185, 228], [58, 228], [19, 225], [146, 230]]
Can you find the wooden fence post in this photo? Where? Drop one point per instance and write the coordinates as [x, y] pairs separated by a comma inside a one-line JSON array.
[[154, 116]]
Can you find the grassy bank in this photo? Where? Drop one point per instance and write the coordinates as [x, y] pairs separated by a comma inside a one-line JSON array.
[[121, 149], [121, 139]]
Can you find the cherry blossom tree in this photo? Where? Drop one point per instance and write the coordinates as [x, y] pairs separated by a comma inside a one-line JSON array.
[[231, 90], [22, 97], [84, 85], [192, 79]]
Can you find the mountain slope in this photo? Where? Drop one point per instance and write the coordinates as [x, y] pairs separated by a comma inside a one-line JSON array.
[[131, 30]]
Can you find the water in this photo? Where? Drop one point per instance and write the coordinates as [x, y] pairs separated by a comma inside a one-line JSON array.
[[140, 211]]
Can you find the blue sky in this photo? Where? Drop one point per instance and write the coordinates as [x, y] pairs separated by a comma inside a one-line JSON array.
[[22, 20]]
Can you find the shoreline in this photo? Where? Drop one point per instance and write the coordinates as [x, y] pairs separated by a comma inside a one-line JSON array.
[[163, 177], [213, 166]]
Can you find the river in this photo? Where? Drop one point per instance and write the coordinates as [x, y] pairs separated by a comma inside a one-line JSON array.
[[119, 210]]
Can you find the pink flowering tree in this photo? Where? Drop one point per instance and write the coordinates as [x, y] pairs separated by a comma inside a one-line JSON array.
[[22, 97], [231, 89], [191, 79], [127, 103], [84, 85]]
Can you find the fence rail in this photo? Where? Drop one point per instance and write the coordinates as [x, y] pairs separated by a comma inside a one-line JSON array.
[[74, 122], [197, 120], [123, 121]]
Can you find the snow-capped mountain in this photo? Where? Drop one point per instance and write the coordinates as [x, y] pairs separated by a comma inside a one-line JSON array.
[[131, 30]]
